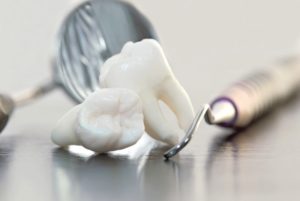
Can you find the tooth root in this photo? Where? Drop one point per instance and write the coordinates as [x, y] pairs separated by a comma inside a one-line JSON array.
[[156, 125], [64, 132], [173, 94]]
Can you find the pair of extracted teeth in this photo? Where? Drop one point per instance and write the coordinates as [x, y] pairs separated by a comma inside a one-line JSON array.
[[117, 115]]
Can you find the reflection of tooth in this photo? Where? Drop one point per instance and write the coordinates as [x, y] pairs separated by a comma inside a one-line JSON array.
[[109, 119], [143, 68]]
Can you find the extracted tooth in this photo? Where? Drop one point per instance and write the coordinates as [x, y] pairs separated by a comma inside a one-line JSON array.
[[142, 67], [109, 119]]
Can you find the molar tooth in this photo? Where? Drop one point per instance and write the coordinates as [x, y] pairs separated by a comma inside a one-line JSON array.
[[109, 119], [142, 67]]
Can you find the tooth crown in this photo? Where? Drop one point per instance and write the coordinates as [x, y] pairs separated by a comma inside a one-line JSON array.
[[142, 67], [109, 119], [139, 66]]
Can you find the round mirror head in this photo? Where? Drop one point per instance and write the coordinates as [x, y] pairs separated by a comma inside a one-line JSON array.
[[91, 33]]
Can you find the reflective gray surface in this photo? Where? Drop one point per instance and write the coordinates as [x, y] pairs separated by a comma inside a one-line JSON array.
[[260, 163]]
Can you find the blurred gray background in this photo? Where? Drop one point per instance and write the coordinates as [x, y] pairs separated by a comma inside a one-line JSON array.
[[202, 39], [230, 38]]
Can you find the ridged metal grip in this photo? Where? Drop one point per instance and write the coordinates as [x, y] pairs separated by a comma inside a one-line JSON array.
[[258, 93]]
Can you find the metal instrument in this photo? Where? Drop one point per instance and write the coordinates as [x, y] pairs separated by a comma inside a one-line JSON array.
[[90, 34], [247, 100]]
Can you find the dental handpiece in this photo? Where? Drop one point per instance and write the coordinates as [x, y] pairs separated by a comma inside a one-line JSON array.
[[247, 100]]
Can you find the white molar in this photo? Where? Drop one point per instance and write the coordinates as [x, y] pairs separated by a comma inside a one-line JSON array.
[[109, 119], [143, 67]]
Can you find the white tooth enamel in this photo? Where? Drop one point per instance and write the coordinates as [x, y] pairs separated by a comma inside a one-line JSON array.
[[109, 119], [142, 67], [63, 133]]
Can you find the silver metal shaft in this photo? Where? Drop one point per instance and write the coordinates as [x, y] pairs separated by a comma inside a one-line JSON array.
[[222, 112], [28, 95]]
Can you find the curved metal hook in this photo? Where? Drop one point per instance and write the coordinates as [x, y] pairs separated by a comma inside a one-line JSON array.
[[206, 114]]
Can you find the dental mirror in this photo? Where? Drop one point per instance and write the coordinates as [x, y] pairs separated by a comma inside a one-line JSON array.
[[90, 34]]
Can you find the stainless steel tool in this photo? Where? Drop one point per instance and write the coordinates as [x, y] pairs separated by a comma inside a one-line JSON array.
[[247, 100], [90, 34]]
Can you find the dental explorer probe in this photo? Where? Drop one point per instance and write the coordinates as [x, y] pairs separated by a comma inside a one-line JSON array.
[[247, 100]]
